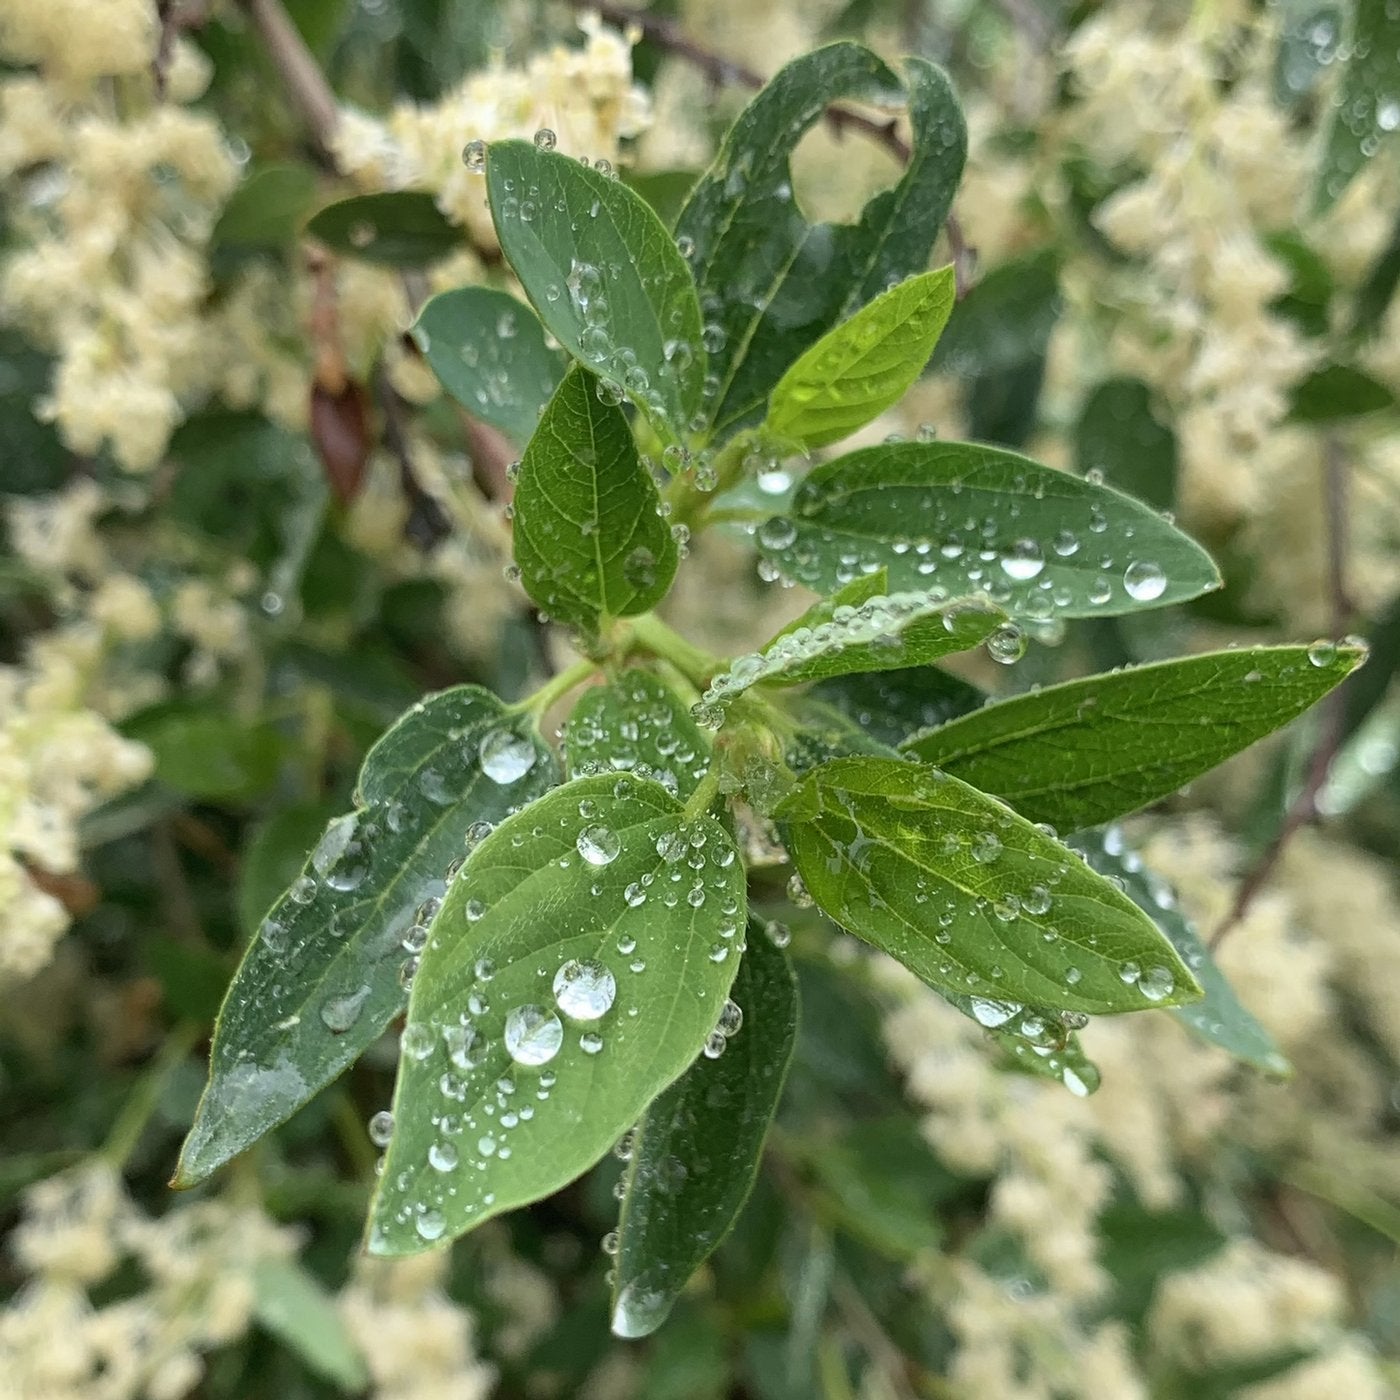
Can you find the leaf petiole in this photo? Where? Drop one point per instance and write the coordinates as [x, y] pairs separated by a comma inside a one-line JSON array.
[[553, 689]]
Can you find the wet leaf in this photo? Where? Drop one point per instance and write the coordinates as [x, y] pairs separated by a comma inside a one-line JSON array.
[[969, 896], [573, 972]]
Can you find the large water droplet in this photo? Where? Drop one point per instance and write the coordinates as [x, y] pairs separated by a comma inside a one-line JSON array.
[[506, 756], [1022, 560], [340, 1013], [598, 845], [533, 1035], [1144, 581], [381, 1128], [584, 989]]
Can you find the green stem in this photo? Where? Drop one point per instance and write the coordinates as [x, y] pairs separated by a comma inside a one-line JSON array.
[[145, 1098], [689, 504], [704, 794], [694, 663], [553, 689]]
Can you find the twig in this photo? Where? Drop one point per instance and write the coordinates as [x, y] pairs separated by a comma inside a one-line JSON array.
[[668, 35], [306, 85], [1332, 729]]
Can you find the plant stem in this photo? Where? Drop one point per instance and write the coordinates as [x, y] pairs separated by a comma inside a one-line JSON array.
[[555, 687], [694, 663], [144, 1099], [704, 794]]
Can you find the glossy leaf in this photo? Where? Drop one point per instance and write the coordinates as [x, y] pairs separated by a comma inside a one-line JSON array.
[[589, 536], [637, 724], [489, 352], [321, 980], [1218, 1018], [1366, 108], [403, 228], [604, 275], [838, 637], [930, 512], [969, 896], [862, 367], [573, 972], [777, 283], [696, 1152], [1083, 753]]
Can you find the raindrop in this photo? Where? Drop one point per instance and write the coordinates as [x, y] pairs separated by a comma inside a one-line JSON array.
[[340, 1013], [598, 845], [381, 1128], [590, 1042], [442, 1157], [430, 1225], [474, 156], [1144, 581], [1022, 560], [506, 756], [584, 989], [533, 1035], [545, 139], [1322, 653]]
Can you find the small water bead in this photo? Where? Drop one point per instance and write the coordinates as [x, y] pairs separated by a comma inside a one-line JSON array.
[[474, 156], [545, 139], [417, 1041], [408, 970], [533, 1035], [506, 756], [1036, 900], [598, 844], [476, 833], [484, 969], [430, 1224], [686, 244], [584, 989], [1144, 581], [1130, 973], [611, 1243], [339, 1014], [985, 847], [1157, 983], [273, 934], [474, 910], [777, 533], [731, 1018], [1322, 653], [1022, 560], [778, 934], [415, 938], [381, 1128], [1007, 644], [590, 1042], [672, 846], [442, 1157], [715, 1045], [303, 890]]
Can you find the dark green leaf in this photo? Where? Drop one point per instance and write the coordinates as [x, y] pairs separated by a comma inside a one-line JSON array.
[[637, 724], [1005, 320], [489, 352], [403, 228], [321, 980], [1375, 294], [291, 1304], [1119, 435], [863, 366], [1082, 753], [665, 190], [589, 536], [1338, 391], [928, 512], [207, 754], [1218, 1018], [776, 283], [604, 275], [1366, 109], [573, 972], [1307, 47], [969, 896], [273, 855], [695, 1153], [893, 705], [1307, 302]]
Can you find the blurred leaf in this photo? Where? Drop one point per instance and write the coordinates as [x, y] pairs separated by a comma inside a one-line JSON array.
[[1378, 289], [400, 228], [696, 1151], [963, 892], [524, 913], [605, 276], [1119, 435], [1005, 320], [489, 352], [192, 979], [34, 457], [1338, 391], [689, 1360], [777, 283], [1311, 34], [590, 539], [1307, 302], [321, 979], [208, 755], [665, 190], [863, 366], [266, 210], [905, 506], [1218, 1018], [894, 705], [1140, 1246], [273, 855], [1084, 752], [290, 1303], [1002, 404]]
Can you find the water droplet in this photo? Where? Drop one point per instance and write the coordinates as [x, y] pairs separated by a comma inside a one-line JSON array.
[[715, 1045], [598, 845], [506, 756], [442, 1157], [590, 1042], [474, 156], [303, 890], [533, 1035], [1322, 653], [731, 1018], [672, 846], [545, 139], [381, 1128], [584, 989], [430, 1224], [1022, 560], [1157, 983], [417, 1041], [1144, 581], [340, 1013], [1007, 644], [986, 847]]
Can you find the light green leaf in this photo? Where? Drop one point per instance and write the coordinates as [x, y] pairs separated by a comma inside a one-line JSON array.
[[772, 284], [604, 275], [589, 536], [573, 972], [969, 896], [1083, 753], [862, 367], [403, 228], [321, 979], [931, 512], [637, 724], [696, 1152], [837, 638], [1218, 1018], [291, 1304], [489, 352]]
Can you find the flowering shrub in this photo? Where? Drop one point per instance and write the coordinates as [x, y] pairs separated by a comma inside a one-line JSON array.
[[588, 656]]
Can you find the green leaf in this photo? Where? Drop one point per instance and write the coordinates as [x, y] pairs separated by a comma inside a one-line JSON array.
[[1005, 320], [776, 283], [273, 854], [1366, 110], [890, 706], [862, 367], [321, 980], [266, 209], [837, 637], [207, 754], [929, 512], [1335, 392], [969, 896], [594, 933], [696, 1152], [637, 724], [489, 352], [589, 536], [1083, 753], [1119, 436], [403, 228], [604, 275], [291, 1304], [1218, 1018]]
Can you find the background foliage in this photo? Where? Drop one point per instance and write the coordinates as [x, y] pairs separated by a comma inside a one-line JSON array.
[[246, 529]]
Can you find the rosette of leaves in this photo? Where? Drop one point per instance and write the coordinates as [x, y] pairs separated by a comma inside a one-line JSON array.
[[566, 942]]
